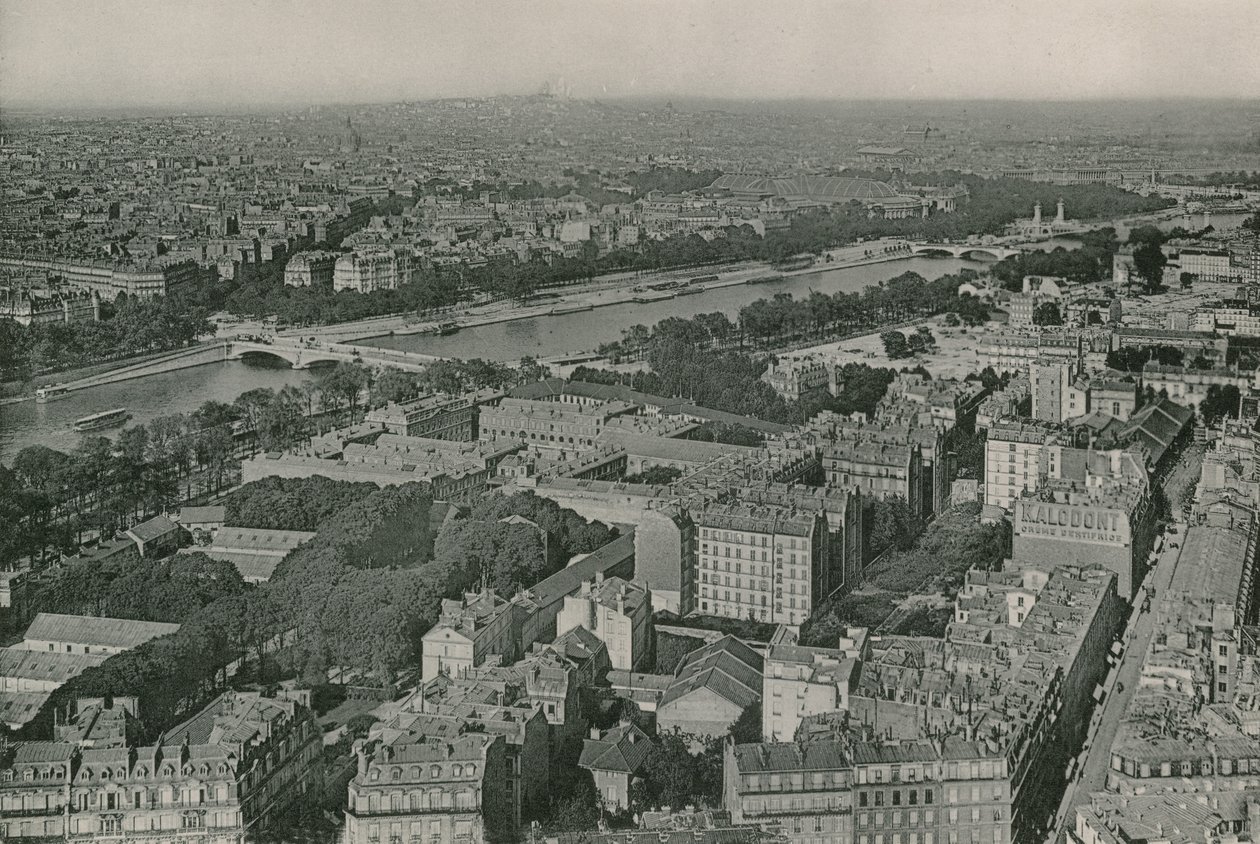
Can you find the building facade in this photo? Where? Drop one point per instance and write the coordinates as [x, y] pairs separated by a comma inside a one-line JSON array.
[[239, 763], [367, 271], [1012, 460], [310, 269], [878, 470], [618, 613], [762, 563], [439, 417], [418, 788], [665, 552], [468, 631]]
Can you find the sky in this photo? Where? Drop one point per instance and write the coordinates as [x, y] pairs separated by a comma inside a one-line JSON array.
[[245, 53]]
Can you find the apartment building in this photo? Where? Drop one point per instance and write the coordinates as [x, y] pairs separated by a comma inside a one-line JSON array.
[[935, 470], [792, 377], [800, 681], [1192, 724], [41, 307], [843, 511], [803, 792], [942, 792], [467, 632], [1025, 685], [439, 417], [366, 271], [237, 765], [916, 791], [431, 789], [446, 708], [1195, 817], [1051, 385], [879, 470], [618, 613], [762, 563], [1012, 459], [310, 269], [107, 278], [1091, 507], [1189, 386], [1207, 264]]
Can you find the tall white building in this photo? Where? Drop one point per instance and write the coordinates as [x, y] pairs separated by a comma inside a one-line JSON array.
[[368, 271], [618, 612], [763, 563], [1012, 460], [800, 681], [1208, 264], [306, 269]]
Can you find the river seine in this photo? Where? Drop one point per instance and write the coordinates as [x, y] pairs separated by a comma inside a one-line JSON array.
[[51, 424]]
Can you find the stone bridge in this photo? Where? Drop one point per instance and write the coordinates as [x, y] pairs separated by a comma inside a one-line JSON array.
[[300, 355], [963, 250], [297, 354]]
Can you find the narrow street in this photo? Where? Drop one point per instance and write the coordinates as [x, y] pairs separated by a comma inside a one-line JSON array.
[[1105, 723], [1107, 717]]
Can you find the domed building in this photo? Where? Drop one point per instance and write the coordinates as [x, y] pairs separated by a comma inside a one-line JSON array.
[[822, 190]]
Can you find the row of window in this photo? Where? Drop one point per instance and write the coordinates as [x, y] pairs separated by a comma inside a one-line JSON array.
[[725, 565], [897, 819], [415, 801], [976, 770], [876, 798], [1186, 767], [462, 830], [113, 824], [486, 432], [763, 585], [763, 599], [435, 772], [738, 538], [973, 836], [738, 612]]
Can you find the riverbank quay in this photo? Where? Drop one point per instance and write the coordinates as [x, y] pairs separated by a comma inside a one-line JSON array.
[[598, 294]]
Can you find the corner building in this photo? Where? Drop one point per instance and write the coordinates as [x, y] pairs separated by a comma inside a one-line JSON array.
[[430, 790]]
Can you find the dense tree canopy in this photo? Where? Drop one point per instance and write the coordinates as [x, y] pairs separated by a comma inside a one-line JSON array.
[[170, 589], [1047, 313], [131, 327], [1133, 358], [567, 532], [292, 503]]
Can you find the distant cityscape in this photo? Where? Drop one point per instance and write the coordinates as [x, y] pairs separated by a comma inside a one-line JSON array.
[[863, 554]]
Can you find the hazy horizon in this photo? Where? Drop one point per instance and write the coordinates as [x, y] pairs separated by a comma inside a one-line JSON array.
[[244, 55]]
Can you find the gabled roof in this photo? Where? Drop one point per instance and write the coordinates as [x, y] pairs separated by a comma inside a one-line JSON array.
[[605, 560], [90, 630], [47, 666], [201, 515], [257, 540], [154, 528], [1157, 424], [727, 667], [623, 749], [577, 644]]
